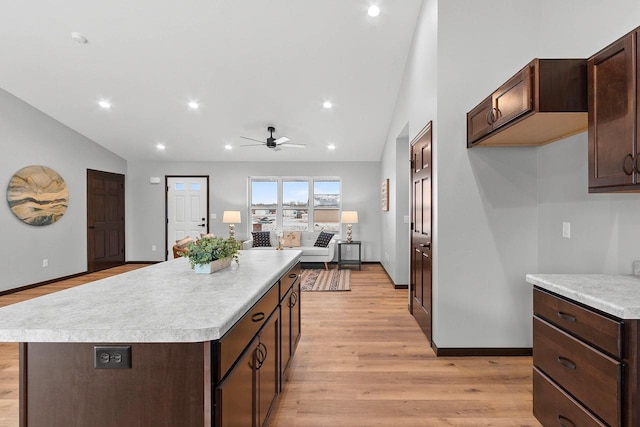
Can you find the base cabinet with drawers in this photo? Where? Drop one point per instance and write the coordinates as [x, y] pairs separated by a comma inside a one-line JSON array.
[[585, 364], [253, 355]]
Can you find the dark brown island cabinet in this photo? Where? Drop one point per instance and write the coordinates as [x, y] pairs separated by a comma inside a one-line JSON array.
[[585, 365], [614, 151], [233, 381], [544, 102]]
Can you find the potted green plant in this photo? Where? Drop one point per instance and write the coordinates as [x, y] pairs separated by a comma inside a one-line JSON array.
[[210, 254]]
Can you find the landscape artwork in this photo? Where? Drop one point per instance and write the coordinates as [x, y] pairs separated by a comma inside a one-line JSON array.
[[37, 195]]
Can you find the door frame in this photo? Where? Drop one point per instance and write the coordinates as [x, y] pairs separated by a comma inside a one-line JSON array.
[[166, 208]]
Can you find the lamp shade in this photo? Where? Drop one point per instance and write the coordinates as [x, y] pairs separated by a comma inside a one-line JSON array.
[[231, 217], [349, 217]]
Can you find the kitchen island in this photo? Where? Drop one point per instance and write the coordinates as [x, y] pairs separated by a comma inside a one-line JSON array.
[[586, 349], [160, 345]]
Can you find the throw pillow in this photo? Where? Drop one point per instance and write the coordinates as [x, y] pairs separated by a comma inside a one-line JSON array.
[[261, 238], [291, 239], [323, 239], [184, 242], [207, 235]]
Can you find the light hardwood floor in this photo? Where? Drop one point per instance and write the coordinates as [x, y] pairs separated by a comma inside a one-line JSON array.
[[362, 361]]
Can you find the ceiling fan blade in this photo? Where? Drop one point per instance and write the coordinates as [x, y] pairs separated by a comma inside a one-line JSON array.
[[277, 148], [293, 145], [251, 145], [251, 139], [282, 140]]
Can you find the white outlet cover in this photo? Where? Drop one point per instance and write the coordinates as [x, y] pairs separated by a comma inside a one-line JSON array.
[[566, 230]]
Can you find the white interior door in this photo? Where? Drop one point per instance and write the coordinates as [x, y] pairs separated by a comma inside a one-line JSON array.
[[186, 209]]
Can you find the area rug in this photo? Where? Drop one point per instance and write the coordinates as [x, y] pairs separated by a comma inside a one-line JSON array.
[[326, 280]]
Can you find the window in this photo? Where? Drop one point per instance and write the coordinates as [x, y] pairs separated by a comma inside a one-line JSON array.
[[264, 204], [295, 203]]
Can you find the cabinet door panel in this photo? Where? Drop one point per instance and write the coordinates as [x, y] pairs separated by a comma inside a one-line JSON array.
[[513, 98], [285, 324], [268, 368], [479, 121], [236, 395], [296, 316], [612, 111]]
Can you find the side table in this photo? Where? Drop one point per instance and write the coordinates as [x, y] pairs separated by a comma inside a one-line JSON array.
[[341, 261]]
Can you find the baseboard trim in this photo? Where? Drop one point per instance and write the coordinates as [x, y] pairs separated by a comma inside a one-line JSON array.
[[36, 285], [487, 352], [58, 279], [395, 285]]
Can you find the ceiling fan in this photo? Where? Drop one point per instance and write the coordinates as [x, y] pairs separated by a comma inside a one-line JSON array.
[[271, 142]]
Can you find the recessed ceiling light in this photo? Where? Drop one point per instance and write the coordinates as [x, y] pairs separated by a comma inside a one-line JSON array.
[[194, 105], [79, 38], [331, 146], [161, 147], [373, 11], [228, 147], [104, 103], [327, 104]]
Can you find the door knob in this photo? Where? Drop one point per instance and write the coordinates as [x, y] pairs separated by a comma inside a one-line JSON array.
[[202, 225]]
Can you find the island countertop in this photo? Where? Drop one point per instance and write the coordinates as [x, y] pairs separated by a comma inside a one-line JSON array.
[[618, 295], [165, 302]]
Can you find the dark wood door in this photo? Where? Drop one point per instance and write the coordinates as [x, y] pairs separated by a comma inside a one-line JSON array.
[[105, 220], [513, 98], [267, 367], [421, 200], [236, 397], [612, 114]]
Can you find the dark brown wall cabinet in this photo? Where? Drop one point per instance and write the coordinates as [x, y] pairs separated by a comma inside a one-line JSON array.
[[613, 117], [543, 102], [585, 365]]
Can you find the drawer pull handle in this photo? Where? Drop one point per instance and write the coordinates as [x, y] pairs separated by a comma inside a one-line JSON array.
[[624, 164], [566, 316], [293, 300], [293, 276], [258, 317], [566, 362], [565, 422]]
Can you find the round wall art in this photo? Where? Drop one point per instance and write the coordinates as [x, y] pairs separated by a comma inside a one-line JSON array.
[[37, 195]]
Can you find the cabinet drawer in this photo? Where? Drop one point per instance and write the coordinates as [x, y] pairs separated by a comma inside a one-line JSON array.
[[289, 279], [553, 407], [598, 330], [234, 341], [590, 376]]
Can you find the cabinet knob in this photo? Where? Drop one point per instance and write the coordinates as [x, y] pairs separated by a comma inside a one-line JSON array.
[[257, 317], [624, 164]]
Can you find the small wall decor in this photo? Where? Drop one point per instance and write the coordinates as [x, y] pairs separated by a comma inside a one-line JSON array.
[[37, 195], [385, 195]]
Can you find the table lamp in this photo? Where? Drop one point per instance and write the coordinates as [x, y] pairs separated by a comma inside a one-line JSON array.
[[231, 218], [349, 217]]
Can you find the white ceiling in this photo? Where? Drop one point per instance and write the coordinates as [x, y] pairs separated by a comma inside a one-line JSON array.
[[250, 64]]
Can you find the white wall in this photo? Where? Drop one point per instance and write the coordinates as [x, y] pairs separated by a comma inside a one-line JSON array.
[[498, 211], [29, 137], [228, 184]]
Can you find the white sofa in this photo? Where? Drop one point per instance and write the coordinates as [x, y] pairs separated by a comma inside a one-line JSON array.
[[310, 253]]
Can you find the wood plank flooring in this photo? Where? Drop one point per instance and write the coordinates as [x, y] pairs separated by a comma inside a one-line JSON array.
[[362, 361]]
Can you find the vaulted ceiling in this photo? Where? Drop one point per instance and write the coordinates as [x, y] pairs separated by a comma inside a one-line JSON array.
[[248, 63]]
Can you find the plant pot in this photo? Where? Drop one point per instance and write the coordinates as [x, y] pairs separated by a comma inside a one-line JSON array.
[[214, 266]]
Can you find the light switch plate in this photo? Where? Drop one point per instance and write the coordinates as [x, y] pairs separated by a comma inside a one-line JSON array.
[[566, 230]]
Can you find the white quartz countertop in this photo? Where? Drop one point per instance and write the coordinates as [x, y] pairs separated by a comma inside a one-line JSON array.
[[618, 295], [165, 302]]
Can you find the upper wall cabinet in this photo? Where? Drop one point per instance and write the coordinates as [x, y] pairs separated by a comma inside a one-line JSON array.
[[543, 102], [613, 117]]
